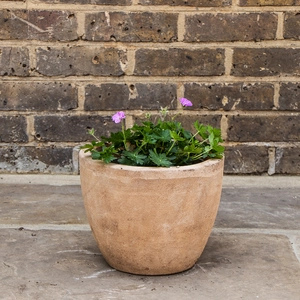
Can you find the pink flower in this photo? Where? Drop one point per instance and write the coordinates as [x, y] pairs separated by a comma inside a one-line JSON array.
[[117, 117], [185, 102]]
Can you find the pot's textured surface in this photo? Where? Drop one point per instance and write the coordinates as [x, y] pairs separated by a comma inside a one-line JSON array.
[[150, 220]]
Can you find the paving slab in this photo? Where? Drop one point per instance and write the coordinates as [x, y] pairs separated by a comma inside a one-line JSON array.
[[47, 250], [41, 204], [260, 207], [47, 264]]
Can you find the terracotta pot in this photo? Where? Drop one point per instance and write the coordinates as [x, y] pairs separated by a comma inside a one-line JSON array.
[[150, 220]]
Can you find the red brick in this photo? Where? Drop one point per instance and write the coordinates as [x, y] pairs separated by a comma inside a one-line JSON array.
[[14, 61], [244, 159], [13, 129], [66, 128], [131, 27], [287, 160], [37, 96], [80, 61], [38, 25], [266, 62], [110, 96], [278, 128], [289, 96], [231, 96], [235, 27], [180, 62]]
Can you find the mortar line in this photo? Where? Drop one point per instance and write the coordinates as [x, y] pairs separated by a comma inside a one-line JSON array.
[[157, 79], [272, 165], [295, 44], [135, 7], [181, 27], [276, 95], [280, 26], [30, 128]]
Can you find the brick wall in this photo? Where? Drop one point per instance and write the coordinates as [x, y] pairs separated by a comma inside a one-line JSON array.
[[68, 65]]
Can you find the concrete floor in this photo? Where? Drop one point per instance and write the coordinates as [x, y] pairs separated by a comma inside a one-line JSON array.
[[47, 250]]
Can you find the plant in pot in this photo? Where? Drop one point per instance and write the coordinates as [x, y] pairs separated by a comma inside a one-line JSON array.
[[152, 191]]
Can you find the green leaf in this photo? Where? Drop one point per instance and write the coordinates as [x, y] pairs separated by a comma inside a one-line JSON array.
[[137, 159], [160, 159], [176, 137]]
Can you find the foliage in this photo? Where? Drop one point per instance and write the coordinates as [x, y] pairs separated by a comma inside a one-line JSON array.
[[163, 143]]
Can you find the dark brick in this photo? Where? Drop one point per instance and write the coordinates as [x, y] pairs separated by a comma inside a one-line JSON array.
[[94, 2], [287, 160], [13, 129], [14, 61], [269, 2], [38, 25], [80, 61], [110, 96], [235, 27], [65, 128], [266, 62], [292, 26], [233, 96], [180, 62], [131, 27], [196, 3], [264, 128], [37, 96], [289, 96], [36, 159], [246, 160], [188, 120]]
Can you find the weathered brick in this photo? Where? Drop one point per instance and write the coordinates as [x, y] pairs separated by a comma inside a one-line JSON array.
[[110, 96], [180, 62], [13, 129], [65, 128], [246, 160], [14, 61], [94, 2], [269, 2], [292, 25], [131, 27], [234, 96], [289, 96], [235, 27], [287, 160], [38, 25], [196, 3], [80, 61], [264, 128], [37, 96], [22, 159], [266, 62]]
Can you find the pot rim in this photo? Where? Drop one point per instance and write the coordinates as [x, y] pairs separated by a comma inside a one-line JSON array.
[[200, 165]]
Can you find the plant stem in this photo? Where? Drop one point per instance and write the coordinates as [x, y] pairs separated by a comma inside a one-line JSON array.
[[173, 144], [124, 136]]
